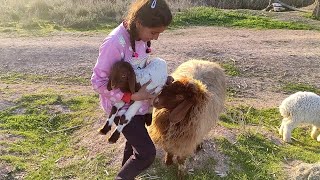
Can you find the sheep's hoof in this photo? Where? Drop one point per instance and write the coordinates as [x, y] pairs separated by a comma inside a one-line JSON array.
[[181, 175], [199, 147], [104, 130], [168, 159], [114, 137]]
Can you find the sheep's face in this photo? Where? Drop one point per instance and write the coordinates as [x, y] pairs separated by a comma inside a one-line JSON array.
[[122, 76], [172, 95]]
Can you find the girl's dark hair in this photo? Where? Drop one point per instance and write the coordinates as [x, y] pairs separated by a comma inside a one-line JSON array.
[[149, 16]]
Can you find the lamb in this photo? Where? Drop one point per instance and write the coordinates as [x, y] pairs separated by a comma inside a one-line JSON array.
[[300, 107], [186, 110], [155, 71]]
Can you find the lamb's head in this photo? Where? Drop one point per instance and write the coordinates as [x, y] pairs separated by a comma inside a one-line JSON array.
[[178, 98], [122, 76]]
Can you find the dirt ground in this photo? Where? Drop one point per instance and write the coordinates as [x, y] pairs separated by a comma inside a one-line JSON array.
[[267, 59]]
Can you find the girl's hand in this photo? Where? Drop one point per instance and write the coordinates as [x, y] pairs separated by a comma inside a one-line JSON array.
[[169, 80], [143, 93]]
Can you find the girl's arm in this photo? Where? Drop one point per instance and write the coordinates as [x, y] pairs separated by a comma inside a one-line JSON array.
[[109, 53]]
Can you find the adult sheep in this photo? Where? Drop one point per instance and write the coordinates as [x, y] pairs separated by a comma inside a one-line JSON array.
[[186, 110], [299, 108]]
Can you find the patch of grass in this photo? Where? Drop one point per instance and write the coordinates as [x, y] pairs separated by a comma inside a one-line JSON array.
[[295, 87], [43, 138], [18, 78], [231, 69], [243, 115], [207, 16], [254, 156]]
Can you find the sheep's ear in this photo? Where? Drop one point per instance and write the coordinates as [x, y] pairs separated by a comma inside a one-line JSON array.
[[132, 83], [180, 112]]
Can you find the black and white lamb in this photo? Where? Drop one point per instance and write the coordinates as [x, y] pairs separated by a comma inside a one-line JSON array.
[[299, 108], [156, 72]]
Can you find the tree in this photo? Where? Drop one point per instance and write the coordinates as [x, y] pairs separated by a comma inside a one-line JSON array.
[[316, 11]]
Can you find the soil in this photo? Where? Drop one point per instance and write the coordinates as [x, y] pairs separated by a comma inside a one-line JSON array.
[[267, 59]]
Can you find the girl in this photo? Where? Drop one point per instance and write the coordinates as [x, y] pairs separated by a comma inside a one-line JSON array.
[[131, 42]]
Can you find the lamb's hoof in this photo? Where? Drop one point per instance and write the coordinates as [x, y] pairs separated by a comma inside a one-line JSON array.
[[287, 140], [123, 120], [114, 137], [104, 130]]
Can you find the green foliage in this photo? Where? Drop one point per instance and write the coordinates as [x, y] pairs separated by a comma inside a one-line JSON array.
[[231, 69], [295, 87], [39, 128], [254, 156], [17, 78], [40, 17], [207, 16]]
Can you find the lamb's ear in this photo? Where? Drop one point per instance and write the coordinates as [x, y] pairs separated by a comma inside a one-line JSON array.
[[132, 81], [180, 111]]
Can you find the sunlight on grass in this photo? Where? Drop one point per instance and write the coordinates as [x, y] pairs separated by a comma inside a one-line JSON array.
[[39, 18], [18, 78], [37, 125], [207, 16], [295, 87]]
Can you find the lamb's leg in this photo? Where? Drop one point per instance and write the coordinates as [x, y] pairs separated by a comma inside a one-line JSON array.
[[314, 132], [107, 127], [287, 128], [168, 159], [124, 120], [282, 124], [182, 168]]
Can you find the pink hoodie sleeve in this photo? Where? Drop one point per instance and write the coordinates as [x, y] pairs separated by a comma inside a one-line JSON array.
[[109, 53]]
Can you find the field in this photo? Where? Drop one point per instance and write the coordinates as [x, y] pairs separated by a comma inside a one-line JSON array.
[[49, 114]]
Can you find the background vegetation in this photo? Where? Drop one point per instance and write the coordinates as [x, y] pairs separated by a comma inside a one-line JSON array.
[[45, 16]]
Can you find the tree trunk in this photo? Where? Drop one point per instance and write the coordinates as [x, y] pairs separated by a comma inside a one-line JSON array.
[[316, 11]]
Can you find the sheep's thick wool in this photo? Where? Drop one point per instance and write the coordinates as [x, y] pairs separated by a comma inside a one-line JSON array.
[[182, 138], [300, 108]]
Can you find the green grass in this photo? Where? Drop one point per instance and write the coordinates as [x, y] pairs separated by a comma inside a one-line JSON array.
[[40, 145], [39, 17], [18, 78], [40, 132], [254, 156], [206, 16], [231, 69], [295, 87]]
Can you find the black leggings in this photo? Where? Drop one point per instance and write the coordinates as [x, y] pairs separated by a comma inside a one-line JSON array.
[[139, 151]]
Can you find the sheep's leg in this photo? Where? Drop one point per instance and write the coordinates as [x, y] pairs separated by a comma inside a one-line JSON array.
[[182, 168], [287, 128], [168, 159], [314, 132]]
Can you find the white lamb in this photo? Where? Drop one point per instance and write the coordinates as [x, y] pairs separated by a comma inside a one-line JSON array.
[[298, 108], [156, 72]]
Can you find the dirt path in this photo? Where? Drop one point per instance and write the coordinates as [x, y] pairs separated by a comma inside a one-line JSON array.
[[266, 58]]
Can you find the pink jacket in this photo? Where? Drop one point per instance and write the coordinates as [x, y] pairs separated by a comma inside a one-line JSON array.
[[116, 46]]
